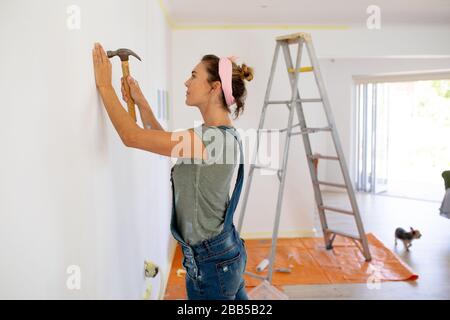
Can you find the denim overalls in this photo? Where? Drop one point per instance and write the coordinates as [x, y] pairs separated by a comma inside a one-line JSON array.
[[215, 267]]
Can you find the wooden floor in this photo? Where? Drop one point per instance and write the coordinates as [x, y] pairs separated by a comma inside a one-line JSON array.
[[429, 256]]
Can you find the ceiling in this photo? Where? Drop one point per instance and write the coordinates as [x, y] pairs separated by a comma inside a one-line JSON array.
[[305, 12]]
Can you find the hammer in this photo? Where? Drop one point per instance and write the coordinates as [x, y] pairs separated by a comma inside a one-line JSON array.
[[123, 54]]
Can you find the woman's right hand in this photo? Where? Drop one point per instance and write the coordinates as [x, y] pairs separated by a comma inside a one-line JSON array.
[[135, 91]]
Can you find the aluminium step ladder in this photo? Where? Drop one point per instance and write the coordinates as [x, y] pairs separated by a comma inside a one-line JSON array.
[[283, 42]]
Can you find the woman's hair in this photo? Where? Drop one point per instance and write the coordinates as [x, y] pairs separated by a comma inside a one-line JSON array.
[[240, 73]]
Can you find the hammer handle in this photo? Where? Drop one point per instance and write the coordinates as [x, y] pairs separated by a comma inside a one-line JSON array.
[[130, 103]]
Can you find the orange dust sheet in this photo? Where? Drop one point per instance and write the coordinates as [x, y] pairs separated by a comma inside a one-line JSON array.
[[311, 263]]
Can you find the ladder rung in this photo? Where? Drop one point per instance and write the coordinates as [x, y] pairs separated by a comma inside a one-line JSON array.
[[311, 130], [278, 130], [265, 168], [277, 102], [338, 210], [302, 69], [319, 156], [343, 234], [312, 100], [331, 184], [254, 275], [289, 101]]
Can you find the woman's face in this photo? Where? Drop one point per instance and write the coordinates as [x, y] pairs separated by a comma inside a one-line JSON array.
[[199, 91]]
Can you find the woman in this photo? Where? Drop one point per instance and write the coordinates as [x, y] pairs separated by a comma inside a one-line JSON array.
[[202, 217]]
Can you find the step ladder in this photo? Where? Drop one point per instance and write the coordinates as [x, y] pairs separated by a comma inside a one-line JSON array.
[[283, 42]]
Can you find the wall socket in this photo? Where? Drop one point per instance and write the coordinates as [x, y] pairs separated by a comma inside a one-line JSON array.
[[150, 269]]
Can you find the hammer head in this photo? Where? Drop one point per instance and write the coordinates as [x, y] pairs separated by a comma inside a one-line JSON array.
[[122, 53]]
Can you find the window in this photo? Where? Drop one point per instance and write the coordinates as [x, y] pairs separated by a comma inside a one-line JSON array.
[[403, 136]]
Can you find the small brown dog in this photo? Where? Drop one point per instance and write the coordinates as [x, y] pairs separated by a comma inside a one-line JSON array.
[[407, 237]]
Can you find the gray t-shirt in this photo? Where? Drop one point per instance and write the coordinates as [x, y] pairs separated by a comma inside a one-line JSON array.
[[202, 187]]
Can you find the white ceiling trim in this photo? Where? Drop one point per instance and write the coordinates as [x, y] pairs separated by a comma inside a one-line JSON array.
[[174, 26], [310, 14]]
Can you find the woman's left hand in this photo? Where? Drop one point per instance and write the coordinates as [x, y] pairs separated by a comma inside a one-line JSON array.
[[102, 66]]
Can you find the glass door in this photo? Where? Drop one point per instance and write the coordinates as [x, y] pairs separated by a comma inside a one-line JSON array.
[[372, 136]]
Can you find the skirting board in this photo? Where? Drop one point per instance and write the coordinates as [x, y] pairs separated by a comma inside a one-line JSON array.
[[281, 234]]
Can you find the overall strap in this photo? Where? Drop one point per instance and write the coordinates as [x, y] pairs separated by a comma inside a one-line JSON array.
[[239, 182]]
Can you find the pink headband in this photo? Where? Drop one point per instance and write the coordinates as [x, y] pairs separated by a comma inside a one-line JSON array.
[[226, 73]]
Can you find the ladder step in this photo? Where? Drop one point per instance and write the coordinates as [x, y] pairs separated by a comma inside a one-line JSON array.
[[312, 100], [294, 38], [268, 102], [312, 130], [343, 234], [279, 101], [278, 130], [306, 131], [320, 156], [265, 168], [338, 210], [331, 184], [302, 69]]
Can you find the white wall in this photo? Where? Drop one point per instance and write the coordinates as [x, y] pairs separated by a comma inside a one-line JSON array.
[[70, 192], [255, 47]]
